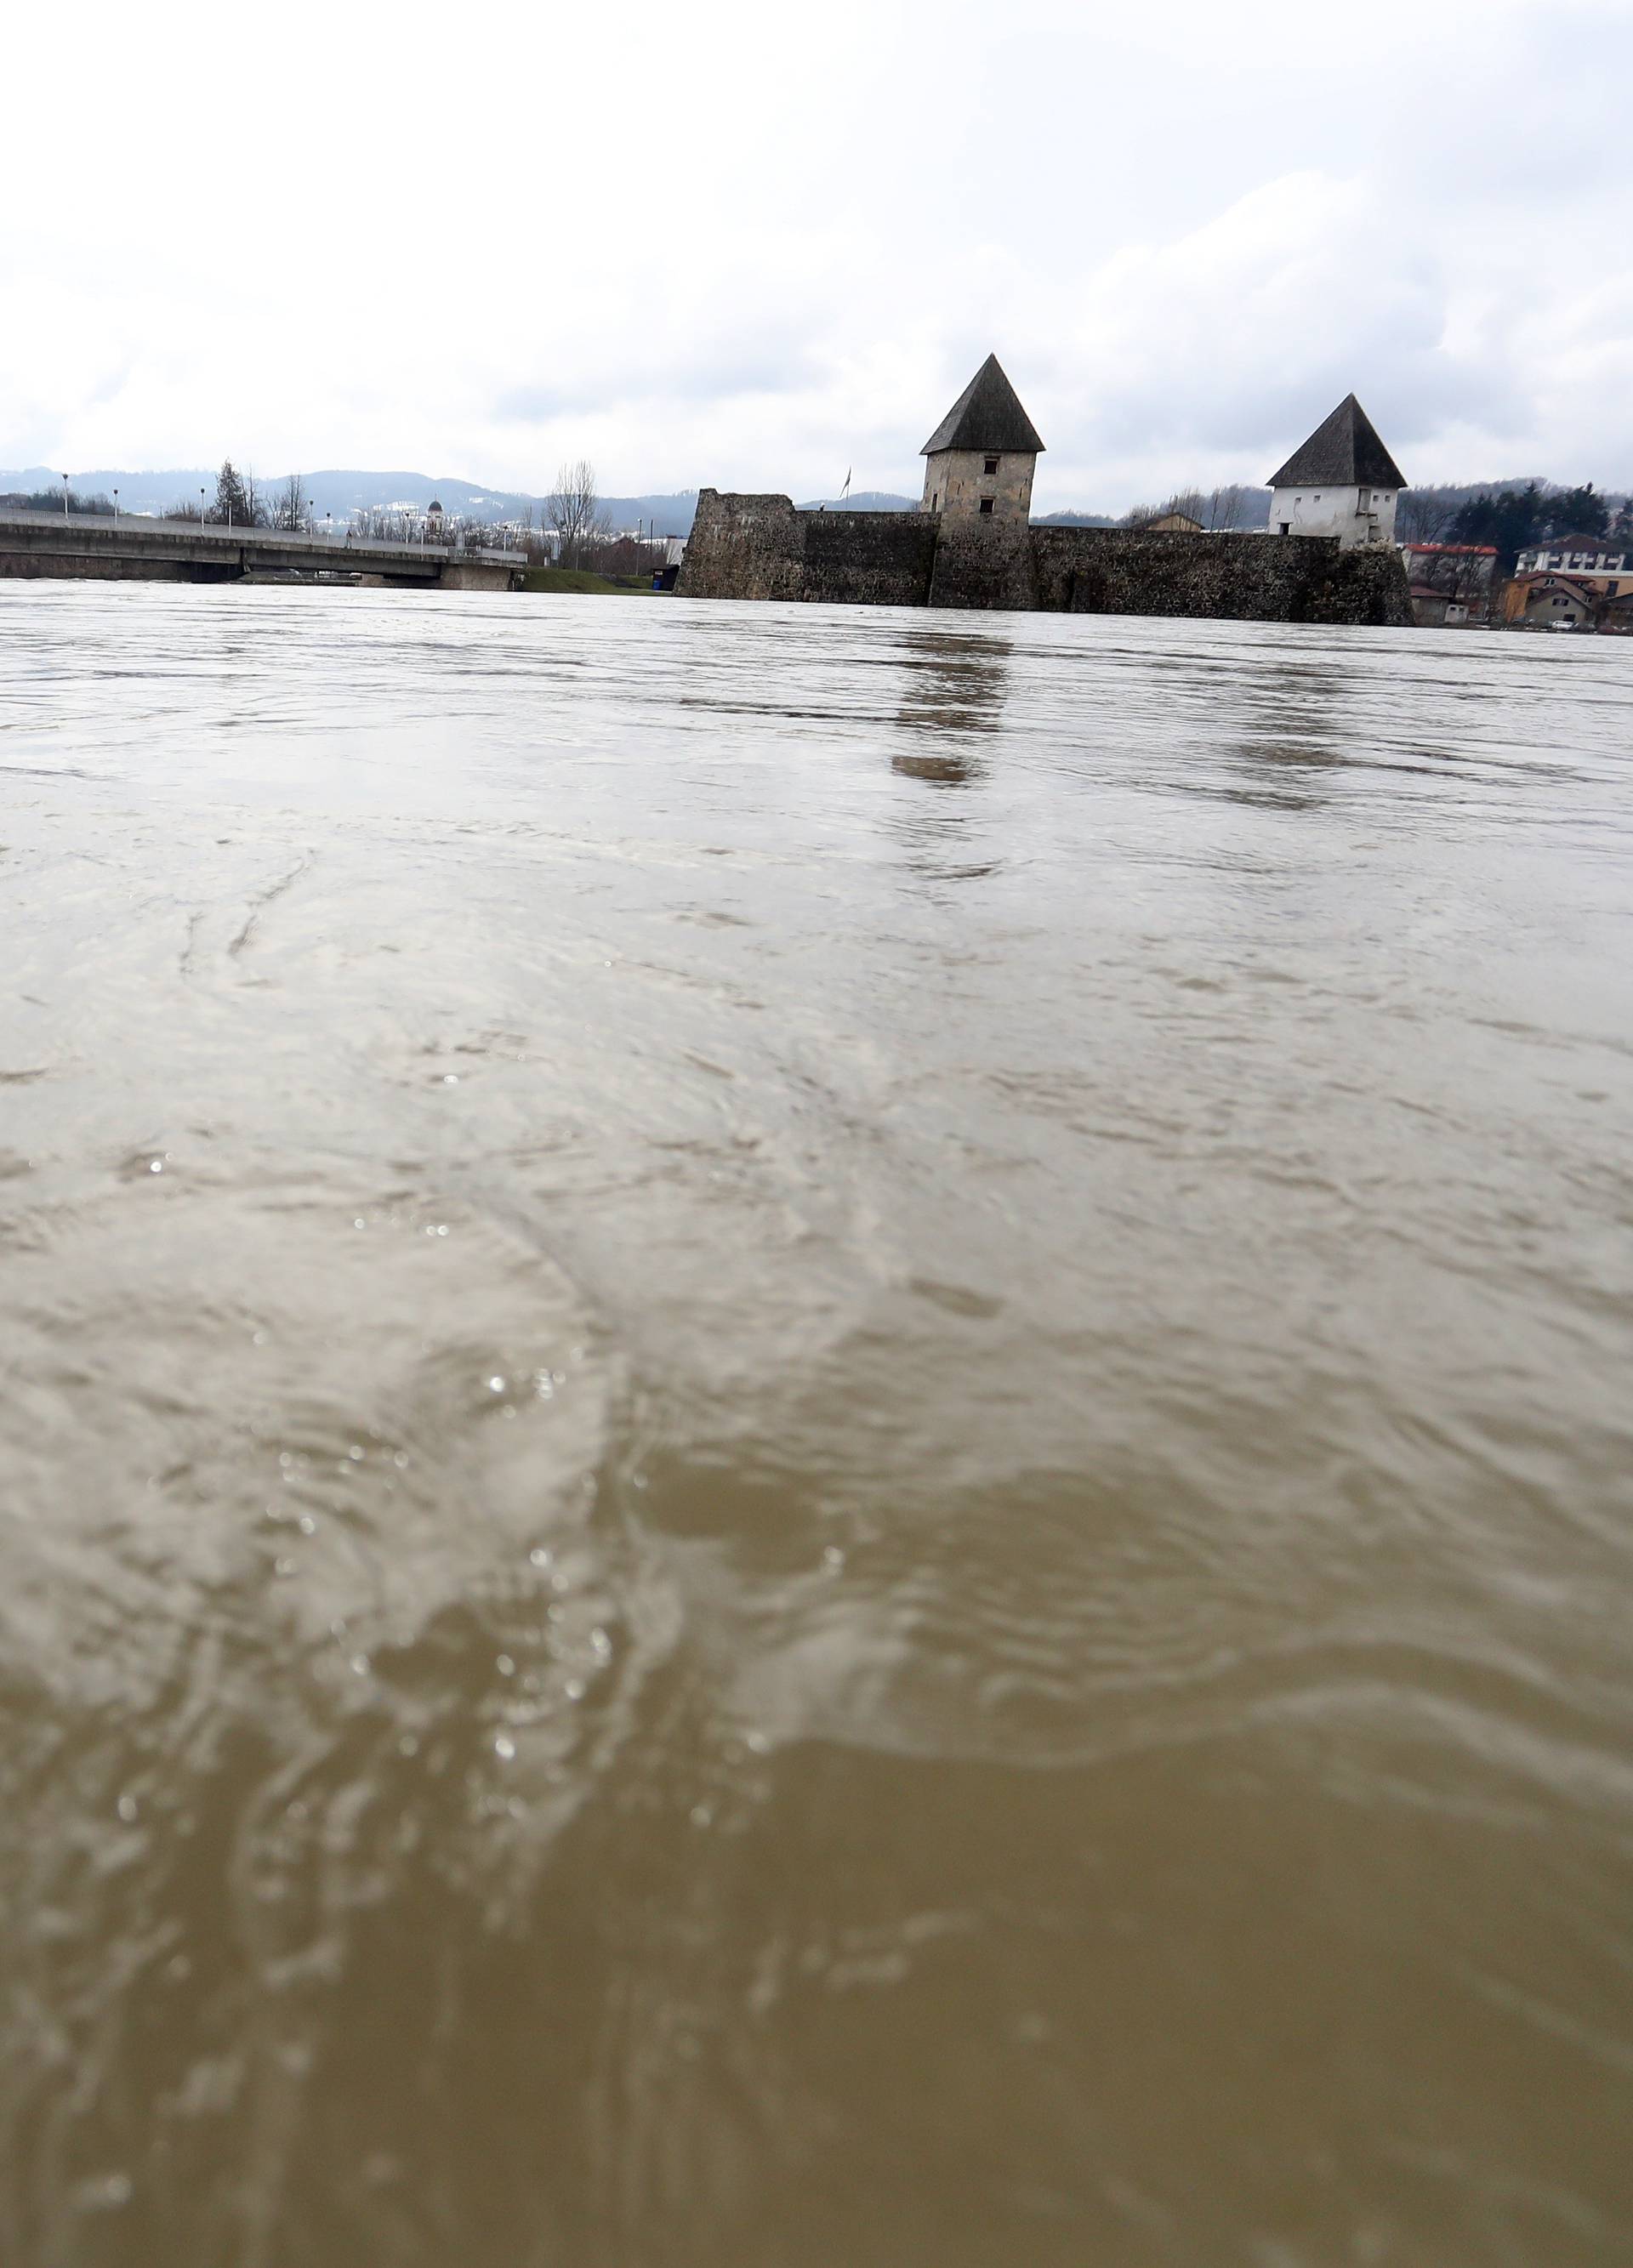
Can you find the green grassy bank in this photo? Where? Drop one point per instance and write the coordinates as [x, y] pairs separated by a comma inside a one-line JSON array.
[[580, 579]]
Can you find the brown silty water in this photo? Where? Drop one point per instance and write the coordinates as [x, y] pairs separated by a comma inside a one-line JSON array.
[[816, 1437]]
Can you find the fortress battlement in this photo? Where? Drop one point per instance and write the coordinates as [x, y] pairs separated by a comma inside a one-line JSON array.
[[760, 547], [972, 543]]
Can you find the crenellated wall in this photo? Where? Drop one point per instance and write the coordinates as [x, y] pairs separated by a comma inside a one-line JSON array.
[[759, 546]]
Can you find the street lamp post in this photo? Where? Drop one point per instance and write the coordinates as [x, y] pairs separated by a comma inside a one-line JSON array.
[[201, 510], [65, 496], [115, 503]]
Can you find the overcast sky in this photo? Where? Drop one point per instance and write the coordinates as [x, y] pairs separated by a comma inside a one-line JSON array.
[[755, 245]]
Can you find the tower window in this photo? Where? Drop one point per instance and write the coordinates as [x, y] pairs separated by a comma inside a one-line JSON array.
[[992, 464], [986, 505]]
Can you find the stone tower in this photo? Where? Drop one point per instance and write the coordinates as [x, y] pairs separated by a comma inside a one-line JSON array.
[[980, 458], [1343, 482]]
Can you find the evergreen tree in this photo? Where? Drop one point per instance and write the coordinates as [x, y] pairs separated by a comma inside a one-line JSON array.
[[237, 503], [1579, 512], [1509, 519]]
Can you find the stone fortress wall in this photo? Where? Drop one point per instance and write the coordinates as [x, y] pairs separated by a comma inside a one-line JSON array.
[[759, 546]]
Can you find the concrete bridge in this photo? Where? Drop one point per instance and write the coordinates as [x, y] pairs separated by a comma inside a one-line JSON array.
[[76, 545]]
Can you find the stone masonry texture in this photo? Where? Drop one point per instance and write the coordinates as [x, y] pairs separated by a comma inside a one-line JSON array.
[[759, 546]]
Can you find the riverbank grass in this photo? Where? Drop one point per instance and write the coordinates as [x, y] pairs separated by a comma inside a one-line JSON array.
[[580, 579]]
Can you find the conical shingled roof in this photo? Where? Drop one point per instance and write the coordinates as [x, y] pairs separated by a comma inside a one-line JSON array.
[[987, 414], [1344, 452]]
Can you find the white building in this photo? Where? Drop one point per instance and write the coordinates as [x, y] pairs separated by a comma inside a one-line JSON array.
[[1343, 482], [1590, 556]]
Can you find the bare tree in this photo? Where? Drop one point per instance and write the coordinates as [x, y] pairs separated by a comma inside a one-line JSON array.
[[1217, 510], [1462, 572], [290, 510], [1424, 515], [374, 523], [574, 512]]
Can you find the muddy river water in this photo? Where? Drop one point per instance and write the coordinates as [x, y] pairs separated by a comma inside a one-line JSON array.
[[815, 1439]]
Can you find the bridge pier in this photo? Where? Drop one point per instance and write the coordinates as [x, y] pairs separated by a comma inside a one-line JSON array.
[[480, 575]]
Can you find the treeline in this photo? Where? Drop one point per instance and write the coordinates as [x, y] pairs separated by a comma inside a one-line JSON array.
[[1511, 516], [240, 502], [573, 529], [1225, 510], [378, 523], [55, 499]]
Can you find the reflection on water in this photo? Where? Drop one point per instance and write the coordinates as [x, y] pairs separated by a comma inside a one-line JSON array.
[[953, 690], [955, 682], [749, 1512], [1298, 732]]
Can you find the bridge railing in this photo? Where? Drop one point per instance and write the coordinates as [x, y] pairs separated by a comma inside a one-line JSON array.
[[340, 547]]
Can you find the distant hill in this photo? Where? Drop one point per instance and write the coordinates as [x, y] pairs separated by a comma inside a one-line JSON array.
[[1423, 509], [342, 492], [863, 500]]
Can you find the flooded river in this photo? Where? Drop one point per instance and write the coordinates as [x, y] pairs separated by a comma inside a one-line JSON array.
[[815, 1439]]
